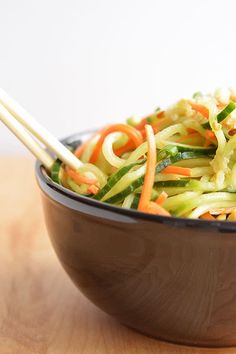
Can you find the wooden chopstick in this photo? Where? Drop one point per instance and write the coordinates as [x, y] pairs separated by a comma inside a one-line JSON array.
[[41, 133], [25, 137]]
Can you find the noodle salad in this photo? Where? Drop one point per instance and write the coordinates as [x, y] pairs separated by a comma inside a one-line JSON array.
[[176, 162]]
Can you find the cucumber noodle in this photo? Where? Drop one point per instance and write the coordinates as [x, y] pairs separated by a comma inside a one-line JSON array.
[[196, 160]]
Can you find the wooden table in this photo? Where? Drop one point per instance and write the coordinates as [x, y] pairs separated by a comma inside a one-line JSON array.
[[41, 311]]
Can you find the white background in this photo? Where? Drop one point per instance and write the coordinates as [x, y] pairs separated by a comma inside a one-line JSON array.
[[77, 64]]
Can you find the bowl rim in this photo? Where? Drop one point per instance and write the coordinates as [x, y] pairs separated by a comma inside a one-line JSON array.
[[45, 182]]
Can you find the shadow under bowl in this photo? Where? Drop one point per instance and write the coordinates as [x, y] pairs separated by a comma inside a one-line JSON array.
[[169, 278]]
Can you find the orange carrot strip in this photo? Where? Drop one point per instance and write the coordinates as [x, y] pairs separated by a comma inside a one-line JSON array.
[[93, 189], [210, 138], [150, 170], [133, 134], [200, 109], [141, 124], [153, 208], [80, 149], [162, 198], [79, 178], [143, 131], [129, 146], [184, 171], [161, 114], [188, 136], [207, 143], [210, 135], [190, 130], [207, 216]]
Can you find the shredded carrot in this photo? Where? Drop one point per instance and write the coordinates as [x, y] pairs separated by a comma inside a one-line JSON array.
[[188, 136], [129, 146], [80, 149], [210, 135], [162, 198], [184, 171], [210, 138], [141, 124], [79, 178], [133, 134], [93, 189], [200, 109], [207, 143], [154, 208], [191, 130], [207, 216], [143, 131], [150, 171], [160, 114]]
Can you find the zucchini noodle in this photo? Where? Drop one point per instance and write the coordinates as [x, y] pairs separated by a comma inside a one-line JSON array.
[[202, 171], [219, 162], [93, 169], [89, 149], [200, 162], [196, 213], [208, 198], [194, 163], [128, 201], [125, 181], [107, 150]]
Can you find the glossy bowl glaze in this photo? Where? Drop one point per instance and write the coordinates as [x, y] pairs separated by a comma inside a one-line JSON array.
[[170, 278]]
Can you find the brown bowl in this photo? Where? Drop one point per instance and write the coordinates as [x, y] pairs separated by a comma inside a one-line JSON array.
[[170, 278]]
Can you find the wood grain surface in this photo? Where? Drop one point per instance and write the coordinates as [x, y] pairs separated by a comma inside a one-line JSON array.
[[41, 311]]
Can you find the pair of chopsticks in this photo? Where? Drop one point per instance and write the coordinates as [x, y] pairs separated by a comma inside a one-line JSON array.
[[27, 130]]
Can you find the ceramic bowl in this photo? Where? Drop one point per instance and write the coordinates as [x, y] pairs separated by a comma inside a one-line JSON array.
[[170, 278]]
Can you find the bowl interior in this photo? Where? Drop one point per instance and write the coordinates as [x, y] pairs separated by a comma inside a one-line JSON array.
[[75, 140]]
